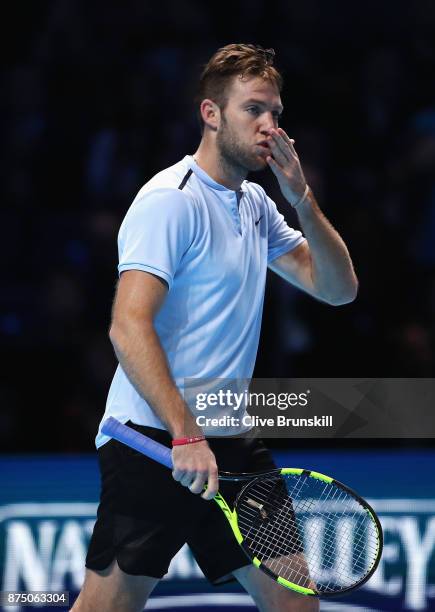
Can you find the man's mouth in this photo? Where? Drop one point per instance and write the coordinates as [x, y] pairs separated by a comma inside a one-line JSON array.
[[263, 144]]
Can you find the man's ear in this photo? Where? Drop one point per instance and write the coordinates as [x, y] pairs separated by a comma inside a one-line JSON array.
[[210, 113]]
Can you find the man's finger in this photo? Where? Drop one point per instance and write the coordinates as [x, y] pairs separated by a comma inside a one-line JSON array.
[[280, 150], [286, 137], [198, 484], [276, 168], [289, 141], [283, 144], [187, 479], [177, 474], [212, 485]]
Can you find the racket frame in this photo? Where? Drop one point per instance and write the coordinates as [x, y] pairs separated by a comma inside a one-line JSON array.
[[233, 521]]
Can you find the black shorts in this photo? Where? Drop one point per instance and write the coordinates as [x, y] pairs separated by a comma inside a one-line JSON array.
[[145, 516]]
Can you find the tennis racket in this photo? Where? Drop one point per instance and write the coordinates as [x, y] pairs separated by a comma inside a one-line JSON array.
[[306, 530]]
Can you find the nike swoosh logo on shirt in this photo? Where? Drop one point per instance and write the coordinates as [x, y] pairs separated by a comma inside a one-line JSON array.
[[257, 222]]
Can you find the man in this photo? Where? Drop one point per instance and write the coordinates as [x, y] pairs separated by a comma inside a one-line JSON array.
[[194, 249]]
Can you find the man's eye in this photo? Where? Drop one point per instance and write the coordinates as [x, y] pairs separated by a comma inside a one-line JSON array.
[[276, 116], [253, 110]]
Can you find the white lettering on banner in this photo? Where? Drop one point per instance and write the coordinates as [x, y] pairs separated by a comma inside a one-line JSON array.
[[40, 565], [88, 527], [418, 552], [68, 558], [345, 530], [313, 532], [31, 556], [390, 555], [25, 559]]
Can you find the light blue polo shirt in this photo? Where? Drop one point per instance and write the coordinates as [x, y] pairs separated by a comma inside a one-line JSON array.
[[212, 246]]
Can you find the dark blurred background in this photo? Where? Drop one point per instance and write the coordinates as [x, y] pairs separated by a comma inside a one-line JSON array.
[[97, 97]]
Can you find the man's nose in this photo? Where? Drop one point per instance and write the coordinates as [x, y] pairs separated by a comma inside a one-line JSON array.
[[267, 124]]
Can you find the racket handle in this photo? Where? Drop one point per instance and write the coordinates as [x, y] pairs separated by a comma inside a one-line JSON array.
[[154, 450]]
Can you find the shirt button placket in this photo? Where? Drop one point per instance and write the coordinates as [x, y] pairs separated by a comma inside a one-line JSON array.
[[235, 212]]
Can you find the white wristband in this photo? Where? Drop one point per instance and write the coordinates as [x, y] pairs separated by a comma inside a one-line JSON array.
[[302, 198]]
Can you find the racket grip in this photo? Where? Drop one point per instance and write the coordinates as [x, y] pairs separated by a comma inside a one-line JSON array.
[[154, 450]]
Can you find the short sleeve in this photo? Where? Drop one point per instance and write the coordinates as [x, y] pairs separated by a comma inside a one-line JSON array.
[[281, 237], [156, 232]]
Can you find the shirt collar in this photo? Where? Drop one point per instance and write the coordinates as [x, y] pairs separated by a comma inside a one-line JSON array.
[[205, 178]]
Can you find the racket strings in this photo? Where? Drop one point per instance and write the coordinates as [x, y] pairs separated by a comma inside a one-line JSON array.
[[308, 531], [347, 508], [275, 540]]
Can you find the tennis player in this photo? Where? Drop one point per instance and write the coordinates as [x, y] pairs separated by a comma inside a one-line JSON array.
[[194, 249]]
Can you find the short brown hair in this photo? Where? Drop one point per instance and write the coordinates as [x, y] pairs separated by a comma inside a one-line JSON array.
[[235, 59]]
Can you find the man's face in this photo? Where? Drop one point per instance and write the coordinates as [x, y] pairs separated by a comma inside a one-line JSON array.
[[253, 108]]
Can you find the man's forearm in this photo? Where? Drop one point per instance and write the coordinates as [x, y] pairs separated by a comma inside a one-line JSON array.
[[332, 271], [142, 358]]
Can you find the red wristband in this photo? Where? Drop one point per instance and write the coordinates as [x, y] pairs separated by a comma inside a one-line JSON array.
[[181, 441]]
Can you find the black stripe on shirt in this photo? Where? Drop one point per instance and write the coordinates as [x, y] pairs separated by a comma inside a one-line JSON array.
[[185, 179]]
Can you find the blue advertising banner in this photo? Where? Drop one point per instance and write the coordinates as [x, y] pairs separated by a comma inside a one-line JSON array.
[[48, 507]]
